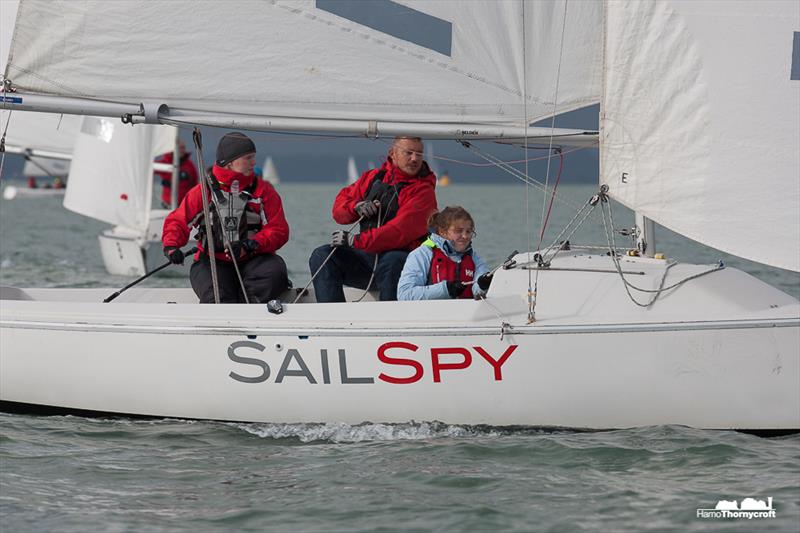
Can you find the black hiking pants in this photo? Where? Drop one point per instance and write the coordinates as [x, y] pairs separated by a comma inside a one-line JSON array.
[[264, 277]]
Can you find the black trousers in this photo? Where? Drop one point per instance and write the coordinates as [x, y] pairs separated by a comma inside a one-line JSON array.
[[264, 277]]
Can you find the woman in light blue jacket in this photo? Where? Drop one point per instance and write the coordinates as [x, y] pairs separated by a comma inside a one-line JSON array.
[[445, 266]]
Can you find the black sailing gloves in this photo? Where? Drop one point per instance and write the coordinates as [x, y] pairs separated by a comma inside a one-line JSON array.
[[174, 254], [244, 248], [342, 239], [367, 209], [455, 288], [484, 281]]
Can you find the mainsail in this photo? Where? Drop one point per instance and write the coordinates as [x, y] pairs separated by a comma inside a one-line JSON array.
[[501, 68], [700, 122]]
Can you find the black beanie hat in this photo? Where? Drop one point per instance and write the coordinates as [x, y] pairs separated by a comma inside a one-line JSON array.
[[233, 146]]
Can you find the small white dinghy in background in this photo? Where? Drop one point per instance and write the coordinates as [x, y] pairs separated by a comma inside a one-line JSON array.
[[12, 191], [111, 180], [559, 340]]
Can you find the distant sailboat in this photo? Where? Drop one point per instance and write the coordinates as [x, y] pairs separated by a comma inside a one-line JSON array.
[[270, 172], [352, 171], [111, 179], [46, 141], [442, 180]]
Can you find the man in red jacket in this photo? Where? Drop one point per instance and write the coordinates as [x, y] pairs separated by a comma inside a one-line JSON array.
[[253, 227], [187, 175], [392, 204]]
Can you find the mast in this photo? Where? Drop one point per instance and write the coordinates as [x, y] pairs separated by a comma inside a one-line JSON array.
[[645, 235]]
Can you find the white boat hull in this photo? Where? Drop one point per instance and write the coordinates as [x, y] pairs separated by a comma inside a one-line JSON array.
[[127, 252], [401, 361], [11, 191]]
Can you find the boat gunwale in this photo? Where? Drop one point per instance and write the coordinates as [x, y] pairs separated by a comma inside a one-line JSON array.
[[353, 330]]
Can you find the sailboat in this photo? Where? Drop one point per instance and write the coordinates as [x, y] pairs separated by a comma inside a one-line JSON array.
[[111, 180], [270, 172], [45, 140], [352, 171], [559, 340], [442, 180]]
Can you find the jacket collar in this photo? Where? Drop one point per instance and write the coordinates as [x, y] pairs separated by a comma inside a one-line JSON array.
[[226, 176]]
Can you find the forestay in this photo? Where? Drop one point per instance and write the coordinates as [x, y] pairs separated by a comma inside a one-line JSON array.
[[700, 122], [111, 178], [294, 59]]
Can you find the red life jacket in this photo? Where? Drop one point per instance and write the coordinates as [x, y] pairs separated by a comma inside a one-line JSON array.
[[445, 269]]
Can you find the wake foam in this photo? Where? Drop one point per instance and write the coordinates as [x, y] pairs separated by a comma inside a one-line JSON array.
[[365, 432]]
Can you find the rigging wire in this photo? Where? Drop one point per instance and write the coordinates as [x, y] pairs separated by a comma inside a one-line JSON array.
[[5, 130], [532, 298], [531, 294], [205, 188], [553, 196]]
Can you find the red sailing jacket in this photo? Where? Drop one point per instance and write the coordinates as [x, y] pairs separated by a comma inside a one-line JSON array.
[[187, 177], [271, 236], [445, 269], [416, 201]]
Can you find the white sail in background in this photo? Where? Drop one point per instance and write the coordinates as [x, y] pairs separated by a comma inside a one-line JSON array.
[[270, 172], [51, 136], [430, 158], [41, 132], [352, 171], [310, 57], [111, 178], [701, 122]]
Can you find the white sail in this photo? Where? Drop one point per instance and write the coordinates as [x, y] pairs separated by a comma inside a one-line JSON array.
[[701, 122], [314, 63], [430, 158], [111, 178], [8, 15], [40, 132], [352, 171], [270, 172]]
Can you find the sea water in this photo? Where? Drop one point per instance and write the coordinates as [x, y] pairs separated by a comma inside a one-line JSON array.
[[77, 474]]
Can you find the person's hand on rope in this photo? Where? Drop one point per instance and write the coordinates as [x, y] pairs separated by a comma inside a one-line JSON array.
[[342, 239], [455, 288], [244, 248], [174, 254], [367, 209], [484, 281]]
